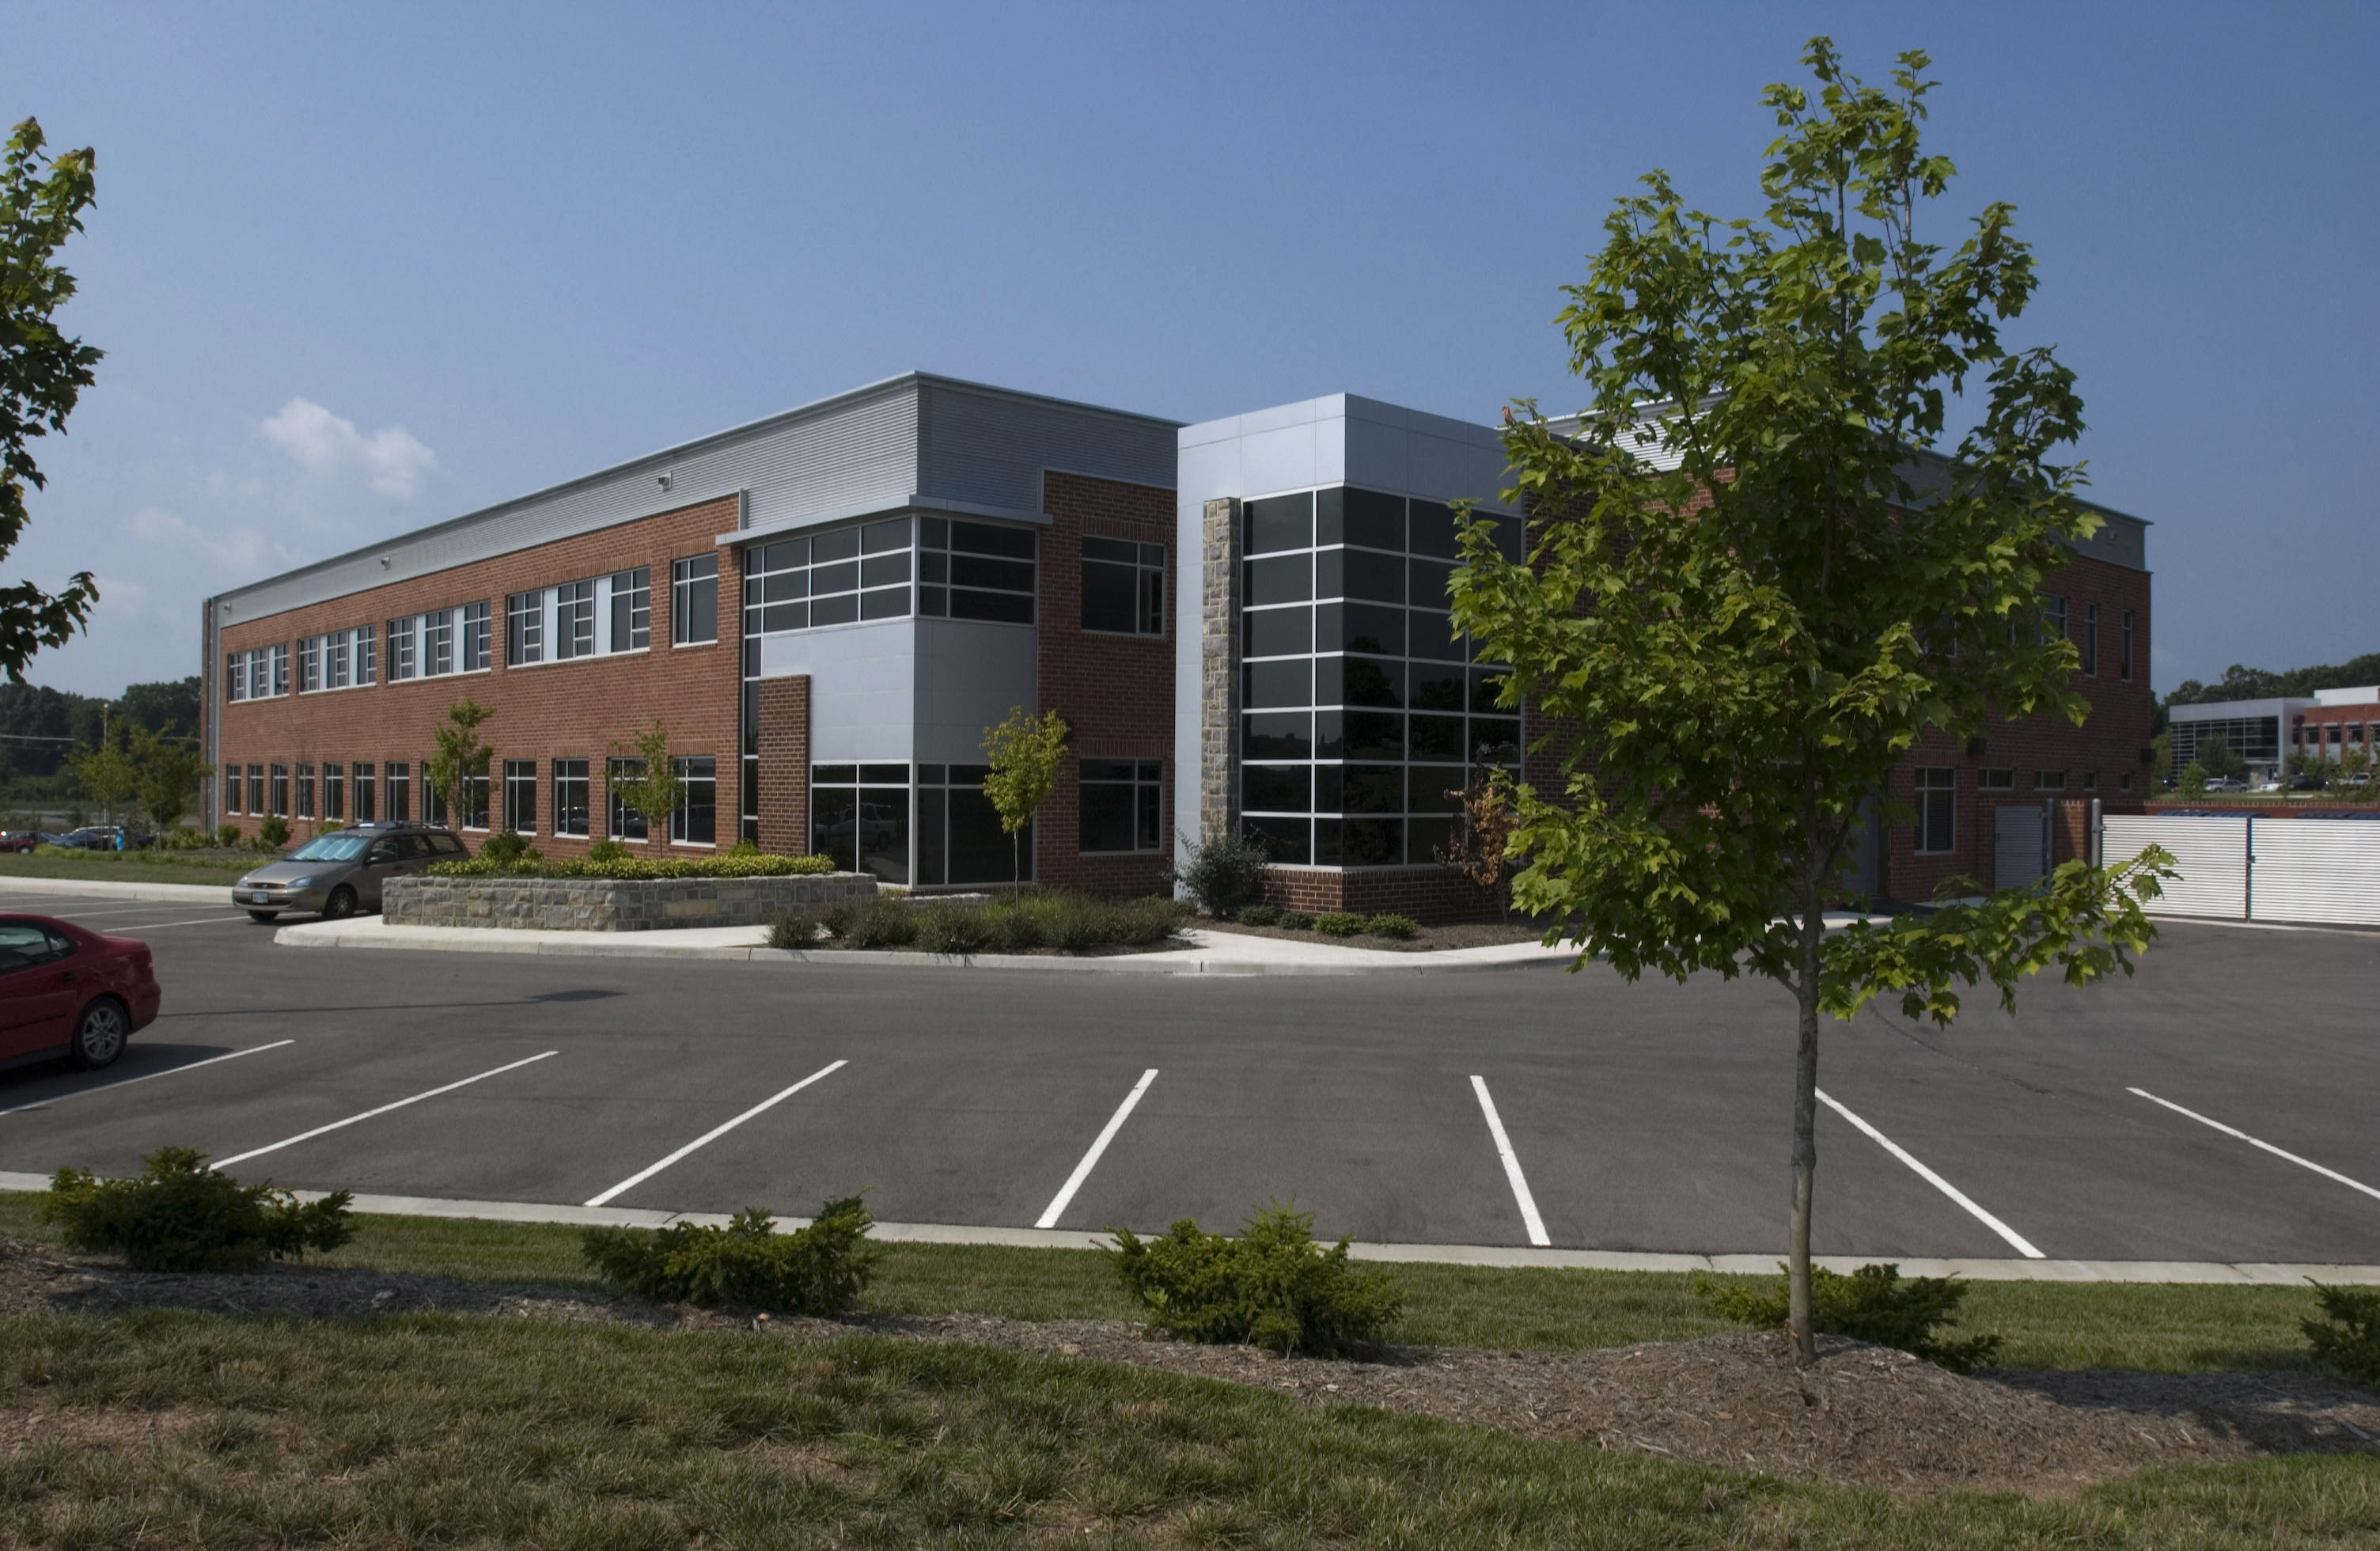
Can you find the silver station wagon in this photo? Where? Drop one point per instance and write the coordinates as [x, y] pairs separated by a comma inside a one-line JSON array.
[[342, 872]]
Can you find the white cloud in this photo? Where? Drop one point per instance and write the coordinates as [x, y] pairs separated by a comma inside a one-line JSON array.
[[240, 550], [393, 461], [120, 598]]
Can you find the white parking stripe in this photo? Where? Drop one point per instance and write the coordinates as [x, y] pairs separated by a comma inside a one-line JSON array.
[[1065, 1196], [351, 1120], [127, 1081], [197, 921], [2016, 1241], [2255, 1142], [707, 1137], [1528, 1204]]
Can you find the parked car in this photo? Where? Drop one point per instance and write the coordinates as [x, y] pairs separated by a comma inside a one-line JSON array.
[[342, 872], [2227, 784], [2306, 783], [20, 840], [65, 990]]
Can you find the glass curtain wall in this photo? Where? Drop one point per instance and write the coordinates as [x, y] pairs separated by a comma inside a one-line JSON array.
[[959, 837], [1363, 709]]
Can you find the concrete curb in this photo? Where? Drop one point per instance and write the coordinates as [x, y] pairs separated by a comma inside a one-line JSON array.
[[108, 888], [1200, 960], [1495, 1256]]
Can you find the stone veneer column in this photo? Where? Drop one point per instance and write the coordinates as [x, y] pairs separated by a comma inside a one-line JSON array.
[[785, 734], [1219, 667]]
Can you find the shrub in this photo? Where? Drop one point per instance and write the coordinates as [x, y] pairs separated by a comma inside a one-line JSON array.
[[1339, 923], [1016, 930], [821, 1270], [1273, 1286], [795, 929], [505, 846], [227, 834], [1259, 915], [273, 833], [1392, 924], [957, 930], [187, 837], [884, 923], [1220, 873], [1295, 921], [530, 864], [179, 1215], [607, 852], [328, 826], [2347, 1337], [1871, 1304]]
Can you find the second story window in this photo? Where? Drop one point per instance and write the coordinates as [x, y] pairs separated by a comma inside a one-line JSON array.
[[1123, 587], [589, 618], [694, 601]]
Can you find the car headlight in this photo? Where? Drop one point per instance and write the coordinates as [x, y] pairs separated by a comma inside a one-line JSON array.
[[298, 883]]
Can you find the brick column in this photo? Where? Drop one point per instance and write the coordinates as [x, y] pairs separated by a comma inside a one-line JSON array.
[[785, 734], [1218, 666]]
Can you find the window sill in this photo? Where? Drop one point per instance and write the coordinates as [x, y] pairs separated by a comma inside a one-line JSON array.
[[1093, 855], [1126, 635], [572, 661], [688, 646], [435, 678]]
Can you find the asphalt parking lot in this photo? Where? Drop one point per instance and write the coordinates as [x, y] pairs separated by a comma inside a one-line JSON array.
[[1644, 1117]]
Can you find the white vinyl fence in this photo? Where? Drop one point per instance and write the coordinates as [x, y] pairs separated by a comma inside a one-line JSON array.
[[2246, 868]]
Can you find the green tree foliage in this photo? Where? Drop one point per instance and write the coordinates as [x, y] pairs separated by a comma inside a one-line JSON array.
[[43, 372], [648, 783], [2219, 758], [108, 773], [461, 755], [2348, 1336], [179, 1215], [1740, 593], [1024, 752], [169, 706], [2239, 682], [168, 770]]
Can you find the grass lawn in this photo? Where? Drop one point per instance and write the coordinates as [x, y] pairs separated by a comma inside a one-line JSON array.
[[171, 1429], [129, 866], [2159, 1328]]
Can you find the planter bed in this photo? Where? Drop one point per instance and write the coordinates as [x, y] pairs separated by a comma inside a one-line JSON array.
[[612, 905]]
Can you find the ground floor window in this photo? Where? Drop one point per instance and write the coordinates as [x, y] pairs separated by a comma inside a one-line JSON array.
[[433, 801], [305, 792], [400, 791], [231, 790], [859, 815], [696, 822], [520, 796], [475, 801], [279, 806], [256, 789], [570, 797], [334, 792], [959, 837], [1121, 805], [1938, 790], [625, 823], [366, 809]]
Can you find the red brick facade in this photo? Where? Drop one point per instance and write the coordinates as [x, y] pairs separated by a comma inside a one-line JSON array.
[[584, 708], [784, 749]]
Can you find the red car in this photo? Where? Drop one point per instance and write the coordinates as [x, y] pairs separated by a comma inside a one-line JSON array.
[[64, 990], [18, 840]]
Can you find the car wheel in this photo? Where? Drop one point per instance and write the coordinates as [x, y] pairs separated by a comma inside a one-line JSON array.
[[340, 905], [262, 915], [98, 1035]]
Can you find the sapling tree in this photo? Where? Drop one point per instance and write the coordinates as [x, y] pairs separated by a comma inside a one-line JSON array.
[[1764, 564], [461, 757], [648, 782], [1024, 752], [168, 769]]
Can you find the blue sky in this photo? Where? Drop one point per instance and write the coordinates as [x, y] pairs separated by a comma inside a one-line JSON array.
[[359, 268]]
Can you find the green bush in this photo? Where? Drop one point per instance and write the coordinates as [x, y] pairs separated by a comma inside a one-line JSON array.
[[1392, 925], [957, 930], [1259, 915], [607, 852], [187, 837], [1273, 1286], [226, 834], [2347, 1337], [821, 1270], [795, 929], [1295, 921], [1017, 930], [1339, 923], [1220, 873], [1871, 1304], [505, 846], [883, 924], [728, 863], [273, 833], [179, 1215]]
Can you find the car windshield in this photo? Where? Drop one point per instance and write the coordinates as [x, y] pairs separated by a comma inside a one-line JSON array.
[[329, 848]]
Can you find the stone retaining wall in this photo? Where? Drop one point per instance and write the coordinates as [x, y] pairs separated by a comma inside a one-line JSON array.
[[610, 904]]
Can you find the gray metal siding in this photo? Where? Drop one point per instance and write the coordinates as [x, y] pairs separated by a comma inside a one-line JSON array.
[[991, 449]]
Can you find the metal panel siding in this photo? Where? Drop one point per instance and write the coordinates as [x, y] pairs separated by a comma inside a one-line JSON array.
[[2319, 871], [2211, 854], [991, 449]]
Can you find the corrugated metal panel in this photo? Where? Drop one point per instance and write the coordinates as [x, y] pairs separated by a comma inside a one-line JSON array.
[[989, 447], [2313, 870], [2211, 854]]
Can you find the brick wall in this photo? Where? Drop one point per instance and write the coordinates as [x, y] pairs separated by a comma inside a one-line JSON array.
[[784, 737], [1431, 895], [1116, 692], [585, 709]]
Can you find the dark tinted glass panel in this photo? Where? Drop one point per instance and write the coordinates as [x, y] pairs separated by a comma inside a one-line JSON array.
[[1426, 837], [776, 557], [885, 772], [1484, 686], [1329, 517], [885, 831], [1373, 682], [834, 825], [1283, 579], [933, 859], [842, 576], [1429, 581], [1380, 577], [879, 536], [934, 601], [1434, 635], [980, 851], [1329, 788], [889, 603], [835, 775], [982, 539], [831, 610], [1374, 735], [1438, 737], [782, 616], [1496, 738], [883, 570], [1277, 632], [1275, 788], [1433, 529], [1149, 817], [1122, 550], [1286, 837], [1012, 575], [1279, 683], [1434, 788], [784, 587], [1375, 519], [1111, 596], [1329, 734], [1372, 842], [840, 545], [933, 566], [934, 532], [1107, 770], [1376, 789], [1329, 673], [1373, 627], [1107, 814], [969, 775], [933, 775], [1004, 607], [1330, 571], [1281, 522], [1437, 689]]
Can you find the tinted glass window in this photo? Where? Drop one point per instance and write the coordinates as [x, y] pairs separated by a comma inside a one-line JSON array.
[[1281, 522], [22, 945]]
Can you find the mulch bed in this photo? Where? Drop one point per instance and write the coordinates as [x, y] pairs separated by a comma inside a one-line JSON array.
[[1864, 1416], [1430, 940]]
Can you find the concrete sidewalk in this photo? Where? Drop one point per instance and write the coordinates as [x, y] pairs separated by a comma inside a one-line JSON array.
[[1208, 953], [112, 889]]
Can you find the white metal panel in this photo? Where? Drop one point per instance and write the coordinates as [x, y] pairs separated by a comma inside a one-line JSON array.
[[2210, 854], [2318, 869]]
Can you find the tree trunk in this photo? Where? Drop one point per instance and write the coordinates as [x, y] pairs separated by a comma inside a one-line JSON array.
[[1805, 1140]]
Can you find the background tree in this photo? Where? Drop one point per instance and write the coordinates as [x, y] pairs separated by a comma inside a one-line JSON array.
[[107, 773], [648, 784], [41, 371], [461, 756], [2221, 759], [1024, 752], [1740, 595], [168, 770]]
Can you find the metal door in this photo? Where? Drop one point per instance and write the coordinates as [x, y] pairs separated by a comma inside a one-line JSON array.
[[2017, 833]]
